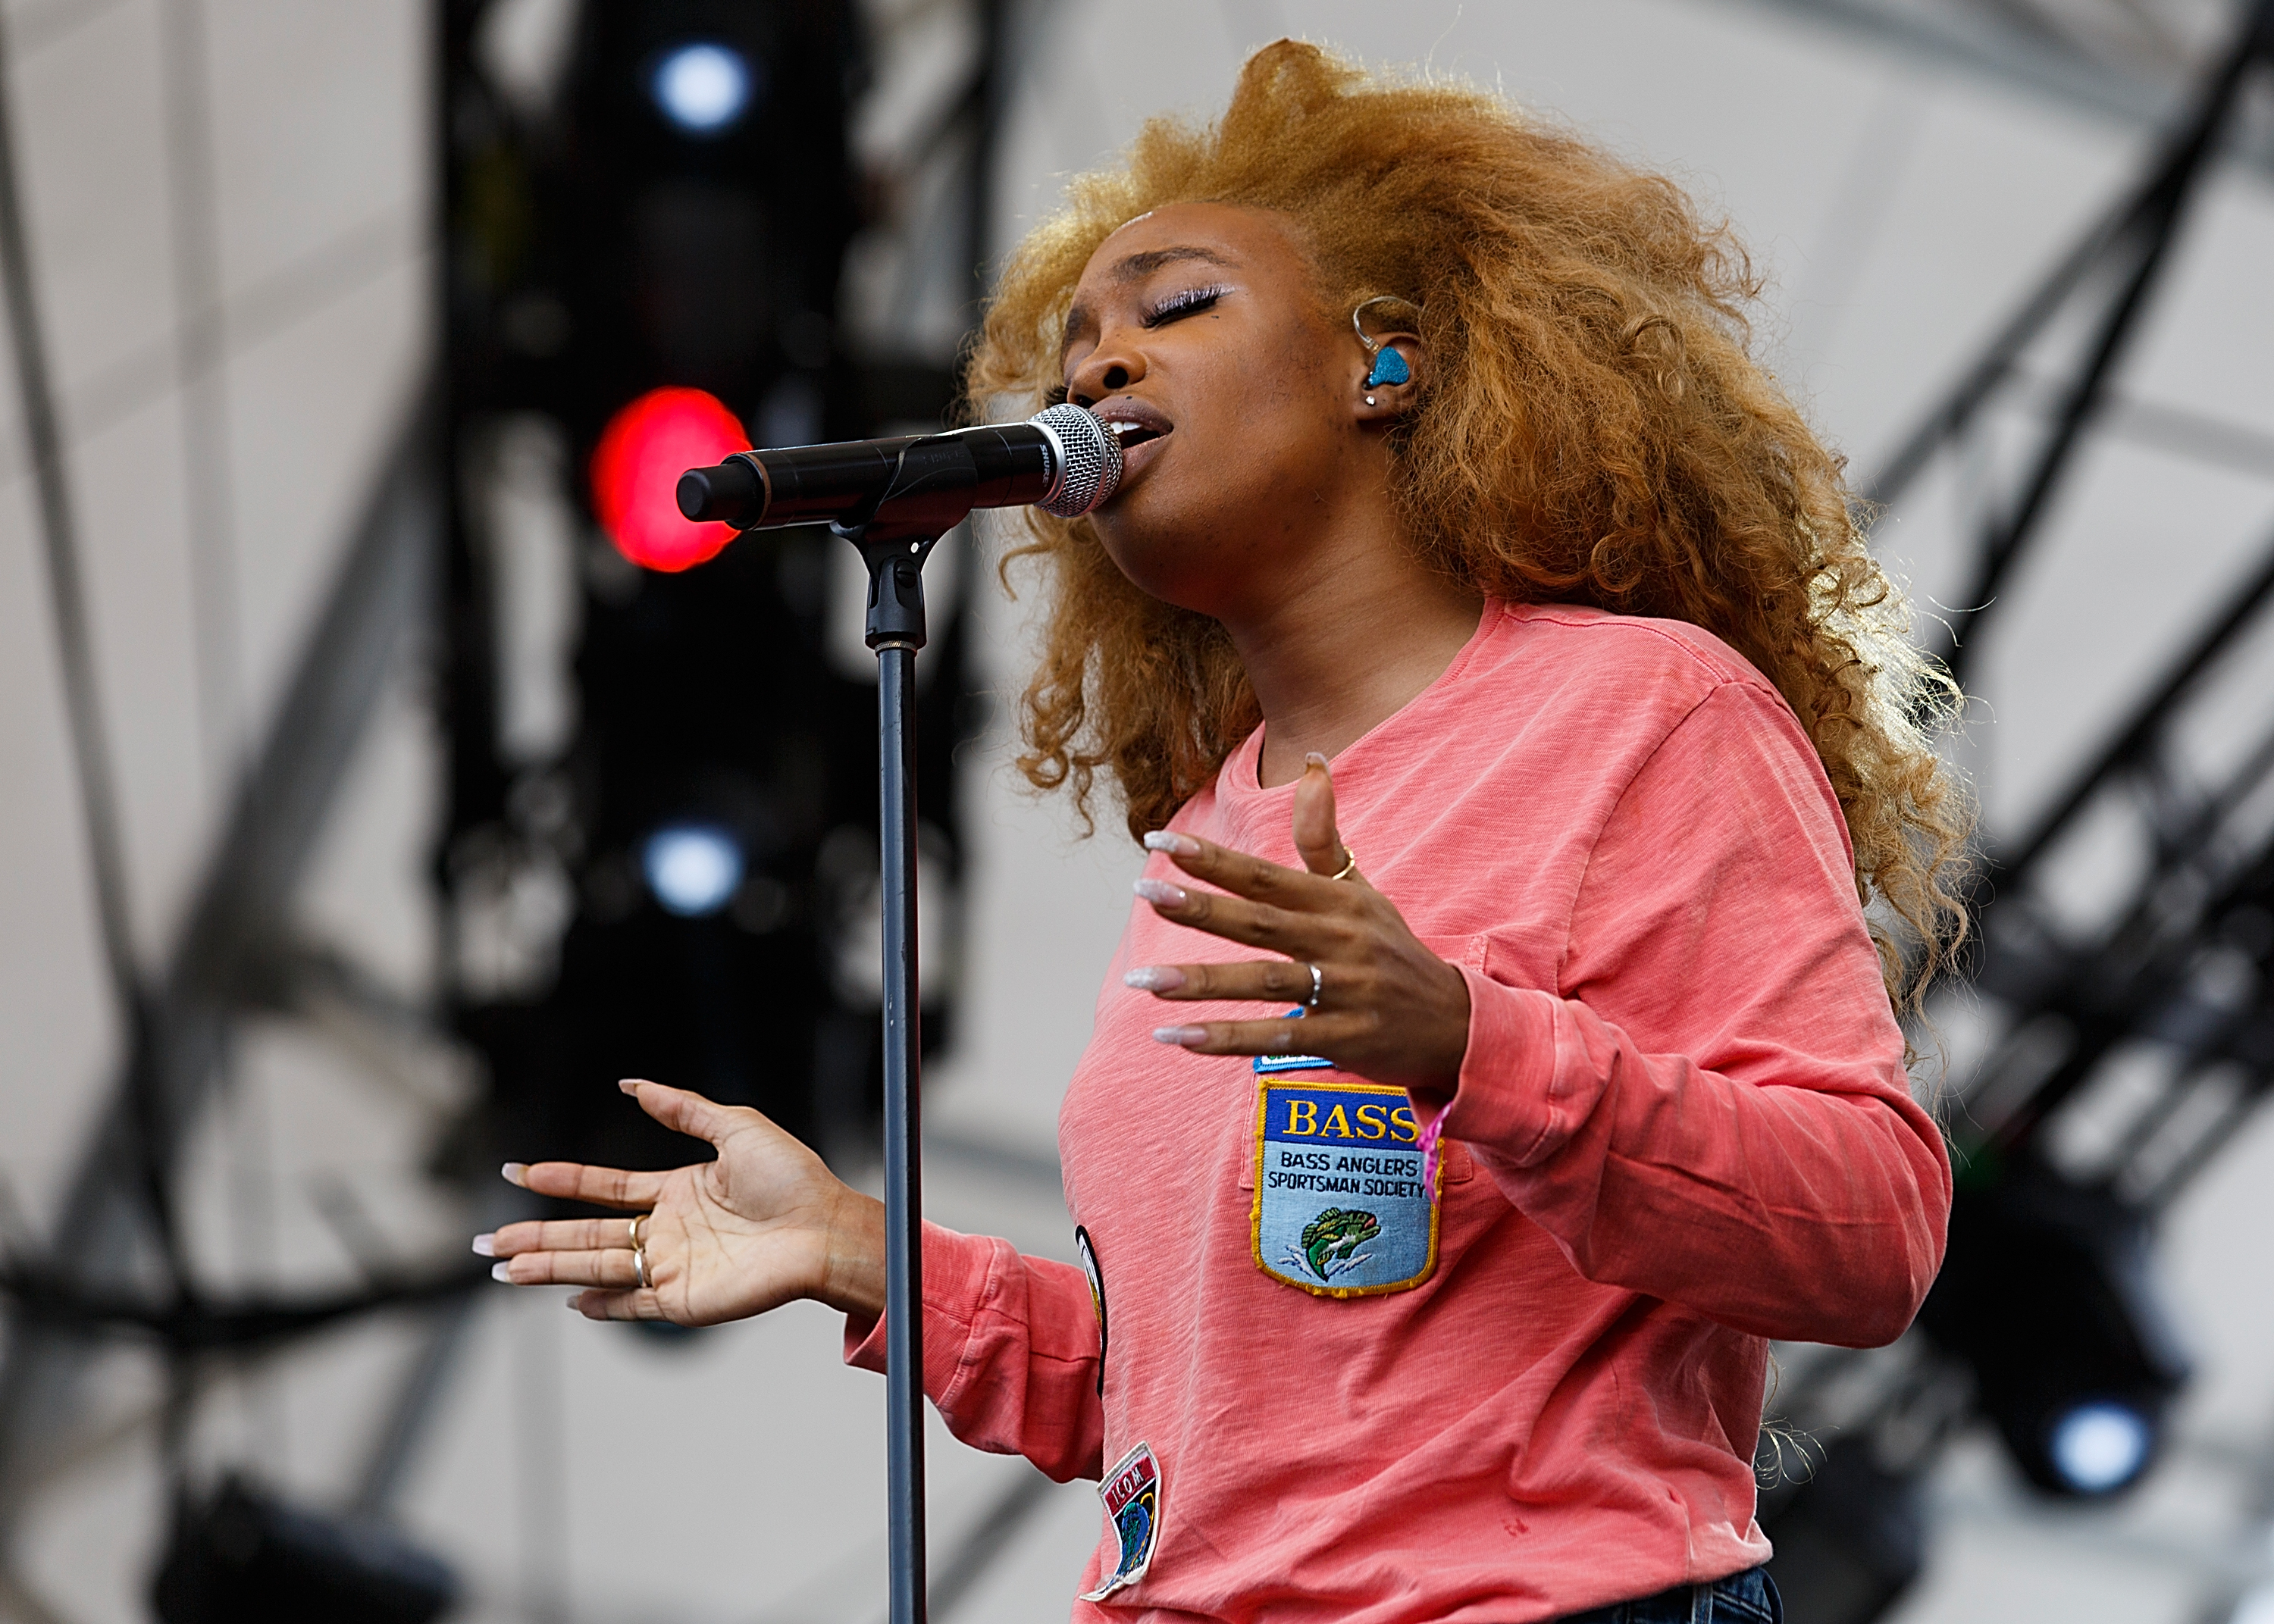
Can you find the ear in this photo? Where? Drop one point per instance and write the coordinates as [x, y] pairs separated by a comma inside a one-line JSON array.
[[1386, 402]]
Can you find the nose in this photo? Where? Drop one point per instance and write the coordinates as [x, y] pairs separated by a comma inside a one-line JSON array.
[[1107, 370]]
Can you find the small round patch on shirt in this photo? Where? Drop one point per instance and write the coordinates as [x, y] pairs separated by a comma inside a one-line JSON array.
[[1340, 1206]]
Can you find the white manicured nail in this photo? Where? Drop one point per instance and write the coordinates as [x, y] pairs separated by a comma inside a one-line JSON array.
[[1153, 978], [485, 1245], [501, 1271], [1169, 840], [1183, 1037], [516, 1173], [1160, 892]]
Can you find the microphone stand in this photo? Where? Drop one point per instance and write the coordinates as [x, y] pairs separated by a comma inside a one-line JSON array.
[[895, 536]]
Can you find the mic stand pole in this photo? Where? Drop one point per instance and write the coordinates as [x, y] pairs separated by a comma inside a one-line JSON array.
[[895, 630]]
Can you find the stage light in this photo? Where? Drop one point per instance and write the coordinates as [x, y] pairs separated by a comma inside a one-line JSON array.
[[702, 86], [2048, 1292], [242, 1554], [636, 469], [2100, 1447], [693, 868]]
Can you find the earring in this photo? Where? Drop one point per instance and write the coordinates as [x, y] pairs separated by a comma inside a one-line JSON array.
[[1388, 365]]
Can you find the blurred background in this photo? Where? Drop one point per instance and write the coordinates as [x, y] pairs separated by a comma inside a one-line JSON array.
[[380, 778]]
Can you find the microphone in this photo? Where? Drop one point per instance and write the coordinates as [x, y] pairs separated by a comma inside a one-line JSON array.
[[1062, 460]]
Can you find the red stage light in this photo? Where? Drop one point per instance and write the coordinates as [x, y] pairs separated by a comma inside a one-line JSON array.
[[636, 469]]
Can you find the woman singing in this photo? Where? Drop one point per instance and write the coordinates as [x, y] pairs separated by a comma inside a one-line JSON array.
[[1503, 1047]]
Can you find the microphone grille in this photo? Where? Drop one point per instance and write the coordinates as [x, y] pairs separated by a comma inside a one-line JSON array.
[[1090, 460]]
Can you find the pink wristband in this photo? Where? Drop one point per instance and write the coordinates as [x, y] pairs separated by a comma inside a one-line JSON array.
[[1430, 1135]]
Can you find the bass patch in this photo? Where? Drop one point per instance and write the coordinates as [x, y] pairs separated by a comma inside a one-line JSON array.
[[1132, 1494], [1341, 1208]]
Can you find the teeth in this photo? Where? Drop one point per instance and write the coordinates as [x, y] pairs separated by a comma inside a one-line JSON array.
[[1119, 427]]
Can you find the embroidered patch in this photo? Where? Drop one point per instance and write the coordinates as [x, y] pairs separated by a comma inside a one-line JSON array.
[[1341, 1209], [1085, 1250], [1265, 1064], [1132, 1494]]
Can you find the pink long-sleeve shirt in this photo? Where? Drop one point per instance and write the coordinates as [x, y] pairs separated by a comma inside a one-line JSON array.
[[1682, 1126]]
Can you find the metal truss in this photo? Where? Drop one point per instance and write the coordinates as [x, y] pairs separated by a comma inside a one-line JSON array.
[[2122, 1027], [111, 1268], [2136, 62], [117, 1267]]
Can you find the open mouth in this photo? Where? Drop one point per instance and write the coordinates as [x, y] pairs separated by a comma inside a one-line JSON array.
[[1134, 421]]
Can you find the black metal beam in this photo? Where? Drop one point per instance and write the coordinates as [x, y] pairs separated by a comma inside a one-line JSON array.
[[2150, 719], [2138, 249]]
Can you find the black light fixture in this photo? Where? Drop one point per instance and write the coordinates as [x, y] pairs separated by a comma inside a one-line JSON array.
[[241, 1554], [683, 207], [2048, 1296]]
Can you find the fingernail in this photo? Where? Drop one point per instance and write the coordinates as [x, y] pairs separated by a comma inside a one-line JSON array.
[[576, 1304], [1153, 978], [1160, 891], [501, 1271], [1315, 759], [485, 1245], [630, 1085], [1183, 1037], [516, 1173], [1169, 840]]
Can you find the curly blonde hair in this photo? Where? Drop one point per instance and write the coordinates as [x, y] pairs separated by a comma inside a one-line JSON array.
[[1595, 431]]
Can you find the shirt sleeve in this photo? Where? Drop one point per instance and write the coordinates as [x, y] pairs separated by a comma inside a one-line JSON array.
[[1010, 1352], [1713, 1107]]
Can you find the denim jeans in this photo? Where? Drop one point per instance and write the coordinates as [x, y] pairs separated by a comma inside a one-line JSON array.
[[1747, 1598]]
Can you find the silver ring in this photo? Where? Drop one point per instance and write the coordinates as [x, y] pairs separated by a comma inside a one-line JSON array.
[[1318, 983], [639, 1268]]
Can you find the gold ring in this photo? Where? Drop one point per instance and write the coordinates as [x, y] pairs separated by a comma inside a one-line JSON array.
[[1349, 867], [634, 1230]]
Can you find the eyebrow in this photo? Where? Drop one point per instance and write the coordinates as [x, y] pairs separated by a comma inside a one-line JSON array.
[[1136, 268]]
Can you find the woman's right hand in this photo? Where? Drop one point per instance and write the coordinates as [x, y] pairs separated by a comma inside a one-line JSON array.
[[766, 1223]]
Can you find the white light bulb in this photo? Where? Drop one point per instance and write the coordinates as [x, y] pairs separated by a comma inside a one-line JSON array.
[[693, 868], [703, 87], [2099, 1446]]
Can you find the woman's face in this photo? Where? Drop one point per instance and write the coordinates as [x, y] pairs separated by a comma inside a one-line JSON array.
[[1200, 326]]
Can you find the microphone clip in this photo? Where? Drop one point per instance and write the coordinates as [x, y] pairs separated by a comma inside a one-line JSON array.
[[930, 493]]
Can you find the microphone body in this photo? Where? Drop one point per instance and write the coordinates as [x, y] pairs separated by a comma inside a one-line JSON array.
[[1062, 460]]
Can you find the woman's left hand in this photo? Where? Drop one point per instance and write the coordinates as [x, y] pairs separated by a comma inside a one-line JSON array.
[[1387, 1008]]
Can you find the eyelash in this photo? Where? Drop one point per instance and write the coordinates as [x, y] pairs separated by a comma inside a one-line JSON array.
[[1189, 302]]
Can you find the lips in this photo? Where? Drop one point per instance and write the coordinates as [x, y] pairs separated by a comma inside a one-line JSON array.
[[1134, 422]]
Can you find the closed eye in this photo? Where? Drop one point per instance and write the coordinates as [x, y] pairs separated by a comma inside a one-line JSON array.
[[1188, 301]]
